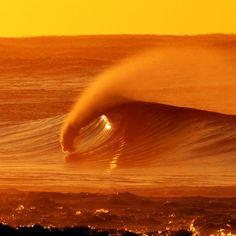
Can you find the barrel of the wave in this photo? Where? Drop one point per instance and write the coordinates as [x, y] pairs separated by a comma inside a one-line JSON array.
[[90, 137]]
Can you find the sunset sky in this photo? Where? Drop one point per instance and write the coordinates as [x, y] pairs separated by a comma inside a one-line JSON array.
[[80, 17]]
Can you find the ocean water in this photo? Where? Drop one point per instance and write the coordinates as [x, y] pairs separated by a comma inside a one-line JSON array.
[[125, 132], [164, 118]]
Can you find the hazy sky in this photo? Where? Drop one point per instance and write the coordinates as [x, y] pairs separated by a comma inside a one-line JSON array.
[[76, 17]]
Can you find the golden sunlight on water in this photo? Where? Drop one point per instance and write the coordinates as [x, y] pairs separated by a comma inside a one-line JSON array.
[[115, 159], [136, 148], [106, 121]]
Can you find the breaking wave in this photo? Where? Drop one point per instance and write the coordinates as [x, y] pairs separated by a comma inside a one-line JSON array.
[[173, 104]]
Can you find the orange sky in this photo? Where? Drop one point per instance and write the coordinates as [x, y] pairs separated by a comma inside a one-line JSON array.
[[76, 17]]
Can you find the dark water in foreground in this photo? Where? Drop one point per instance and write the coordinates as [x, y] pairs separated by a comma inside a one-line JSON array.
[[119, 211], [83, 231]]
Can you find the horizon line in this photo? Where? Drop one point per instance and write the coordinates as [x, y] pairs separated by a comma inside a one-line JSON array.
[[104, 35]]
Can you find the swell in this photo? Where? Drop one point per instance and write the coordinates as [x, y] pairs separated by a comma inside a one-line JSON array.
[[201, 78], [30, 140]]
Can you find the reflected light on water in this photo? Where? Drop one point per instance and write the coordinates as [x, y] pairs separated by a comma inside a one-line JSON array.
[[106, 121], [113, 163], [108, 126]]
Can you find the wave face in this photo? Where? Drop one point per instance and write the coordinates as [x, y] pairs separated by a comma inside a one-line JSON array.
[[147, 135], [172, 108]]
